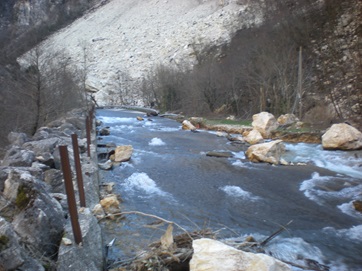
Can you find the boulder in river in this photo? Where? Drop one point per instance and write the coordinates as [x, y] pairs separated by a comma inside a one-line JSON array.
[[105, 131], [122, 154], [187, 125], [253, 137], [342, 137], [212, 255], [269, 152], [265, 123]]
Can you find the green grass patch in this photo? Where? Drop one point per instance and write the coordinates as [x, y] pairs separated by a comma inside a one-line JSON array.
[[228, 122]]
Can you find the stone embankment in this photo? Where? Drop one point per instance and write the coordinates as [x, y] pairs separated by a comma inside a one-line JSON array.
[[35, 227]]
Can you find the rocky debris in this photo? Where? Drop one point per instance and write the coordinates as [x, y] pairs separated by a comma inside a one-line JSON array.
[[265, 123], [269, 152], [140, 118], [212, 255], [122, 154], [342, 137], [187, 125], [253, 137], [287, 119], [224, 154], [32, 199]]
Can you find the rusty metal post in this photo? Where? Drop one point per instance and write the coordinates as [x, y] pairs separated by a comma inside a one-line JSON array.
[[87, 128], [78, 170], [67, 174]]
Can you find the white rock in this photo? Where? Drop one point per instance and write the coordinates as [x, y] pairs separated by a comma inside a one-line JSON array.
[[265, 123], [254, 137], [342, 137], [187, 125], [212, 255], [269, 152]]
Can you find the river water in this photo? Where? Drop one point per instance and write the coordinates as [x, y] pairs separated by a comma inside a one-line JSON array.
[[170, 176]]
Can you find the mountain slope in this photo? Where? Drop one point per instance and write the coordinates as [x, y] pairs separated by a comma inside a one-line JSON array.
[[128, 38]]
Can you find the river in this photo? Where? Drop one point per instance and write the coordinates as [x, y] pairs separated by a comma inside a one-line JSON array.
[[169, 175]]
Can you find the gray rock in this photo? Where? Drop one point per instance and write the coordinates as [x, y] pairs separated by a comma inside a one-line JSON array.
[[42, 146], [12, 254], [104, 131], [54, 178], [38, 218], [18, 157], [89, 256]]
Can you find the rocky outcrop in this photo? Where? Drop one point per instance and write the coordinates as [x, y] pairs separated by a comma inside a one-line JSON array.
[[342, 137], [212, 255], [269, 152], [265, 123]]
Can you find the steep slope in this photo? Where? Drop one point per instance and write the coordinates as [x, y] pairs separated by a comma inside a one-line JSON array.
[[124, 39]]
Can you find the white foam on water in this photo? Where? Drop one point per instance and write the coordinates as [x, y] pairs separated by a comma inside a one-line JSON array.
[[239, 163], [317, 188], [156, 142], [348, 209], [240, 155], [112, 120], [354, 233], [238, 192], [348, 163], [294, 250], [141, 182]]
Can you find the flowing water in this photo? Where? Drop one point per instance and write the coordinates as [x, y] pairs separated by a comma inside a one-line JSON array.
[[170, 176]]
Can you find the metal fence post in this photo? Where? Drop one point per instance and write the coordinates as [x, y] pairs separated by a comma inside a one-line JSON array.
[[78, 170], [67, 174], [87, 126]]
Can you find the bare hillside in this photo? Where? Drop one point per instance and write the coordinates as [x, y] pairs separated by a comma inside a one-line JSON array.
[[124, 39]]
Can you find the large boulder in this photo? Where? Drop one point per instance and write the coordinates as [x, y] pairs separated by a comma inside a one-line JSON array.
[[265, 123], [212, 255], [342, 137], [253, 137], [37, 217], [122, 154], [269, 152], [187, 125]]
